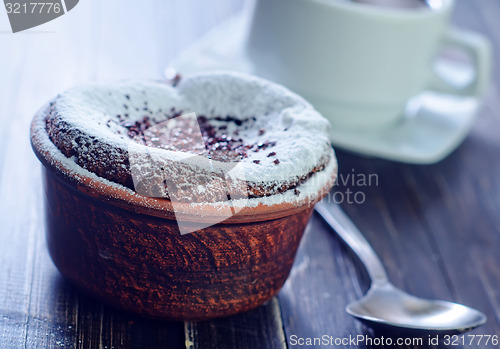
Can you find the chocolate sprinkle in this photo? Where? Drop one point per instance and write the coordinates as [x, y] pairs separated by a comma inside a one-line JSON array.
[[218, 145]]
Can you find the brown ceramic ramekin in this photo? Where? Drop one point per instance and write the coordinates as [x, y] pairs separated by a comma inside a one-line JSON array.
[[126, 250]]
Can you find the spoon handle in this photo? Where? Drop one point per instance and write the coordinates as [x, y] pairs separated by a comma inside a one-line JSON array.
[[345, 228]]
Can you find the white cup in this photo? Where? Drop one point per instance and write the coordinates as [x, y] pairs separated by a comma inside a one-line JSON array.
[[360, 64]]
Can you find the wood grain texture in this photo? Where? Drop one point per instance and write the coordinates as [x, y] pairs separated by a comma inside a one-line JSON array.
[[258, 328], [436, 227]]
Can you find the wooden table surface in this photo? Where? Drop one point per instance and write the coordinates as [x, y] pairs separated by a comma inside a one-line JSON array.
[[436, 227]]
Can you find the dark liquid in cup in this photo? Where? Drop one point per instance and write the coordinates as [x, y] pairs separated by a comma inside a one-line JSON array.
[[404, 4]]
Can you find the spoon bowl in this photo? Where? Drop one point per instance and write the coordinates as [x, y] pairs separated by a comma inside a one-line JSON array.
[[385, 307]]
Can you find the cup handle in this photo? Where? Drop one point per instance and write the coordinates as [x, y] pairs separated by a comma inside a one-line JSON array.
[[479, 49]]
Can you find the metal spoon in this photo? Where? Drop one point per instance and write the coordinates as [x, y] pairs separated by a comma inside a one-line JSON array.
[[385, 307]]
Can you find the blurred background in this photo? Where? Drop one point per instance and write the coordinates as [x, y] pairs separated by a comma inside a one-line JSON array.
[[112, 39]]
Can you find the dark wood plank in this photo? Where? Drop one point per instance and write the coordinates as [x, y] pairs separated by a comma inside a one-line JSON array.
[[323, 280], [326, 277], [18, 231], [258, 328]]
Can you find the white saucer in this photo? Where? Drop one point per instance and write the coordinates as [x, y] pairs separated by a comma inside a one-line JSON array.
[[437, 125]]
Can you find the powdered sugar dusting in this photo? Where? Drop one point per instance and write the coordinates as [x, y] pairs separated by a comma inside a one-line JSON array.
[[299, 132], [309, 191], [288, 137]]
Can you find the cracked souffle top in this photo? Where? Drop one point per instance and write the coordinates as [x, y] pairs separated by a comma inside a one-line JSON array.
[[211, 136]]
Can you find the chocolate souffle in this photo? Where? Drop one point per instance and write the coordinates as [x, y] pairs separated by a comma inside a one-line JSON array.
[[277, 138], [118, 155]]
